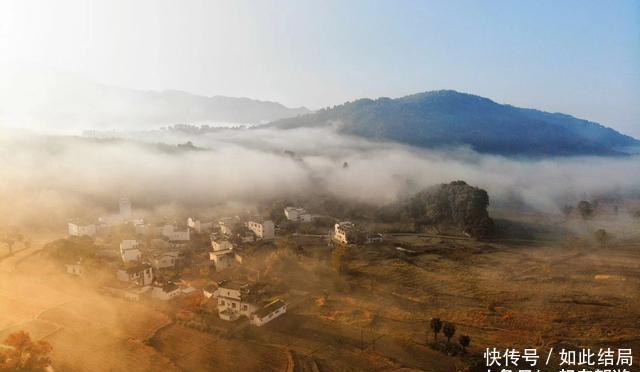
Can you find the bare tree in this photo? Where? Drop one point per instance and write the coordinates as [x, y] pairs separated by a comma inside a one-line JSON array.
[[449, 330], [464, 341], [436, 326]]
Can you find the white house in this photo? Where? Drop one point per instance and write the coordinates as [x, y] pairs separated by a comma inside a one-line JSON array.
[[141, 227], [170, 232], [141, 274], [235, 299], [227, 224], [263, 229], [166, 260], [209, 291], [343, 232], [75, 269], [222, 260], [222, 254], [129, 251], [268, 313], [375, 238], [221, 245], [165, 292], [78, 229], [199, 226], [297, 214]]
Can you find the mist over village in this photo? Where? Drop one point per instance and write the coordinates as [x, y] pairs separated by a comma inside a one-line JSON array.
[[326, 188]]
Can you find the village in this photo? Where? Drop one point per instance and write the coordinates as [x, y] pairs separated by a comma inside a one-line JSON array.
[[156, 262], [299, 287]]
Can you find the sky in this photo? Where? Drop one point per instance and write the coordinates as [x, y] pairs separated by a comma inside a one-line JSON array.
[[576, 57]]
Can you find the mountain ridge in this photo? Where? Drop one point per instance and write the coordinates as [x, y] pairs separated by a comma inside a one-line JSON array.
[[447, 118], [69, 101]]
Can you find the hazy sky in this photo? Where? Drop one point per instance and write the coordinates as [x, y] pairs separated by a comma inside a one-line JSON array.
[[577, 57]]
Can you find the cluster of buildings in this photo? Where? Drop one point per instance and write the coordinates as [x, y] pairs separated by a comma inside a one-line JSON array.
[[223, 254], [143, 267], [92, 229]]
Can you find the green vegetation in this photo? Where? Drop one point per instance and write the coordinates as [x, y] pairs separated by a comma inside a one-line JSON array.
[[448, 118], [456, 204], [70, 249], [338, 258]]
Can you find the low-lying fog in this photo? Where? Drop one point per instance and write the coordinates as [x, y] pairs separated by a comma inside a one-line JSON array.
[[47, 178]]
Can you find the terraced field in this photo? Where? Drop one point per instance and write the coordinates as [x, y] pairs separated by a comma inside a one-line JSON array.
[[192, 350]]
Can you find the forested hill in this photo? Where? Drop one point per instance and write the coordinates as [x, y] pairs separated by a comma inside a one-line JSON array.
[[449, 118]]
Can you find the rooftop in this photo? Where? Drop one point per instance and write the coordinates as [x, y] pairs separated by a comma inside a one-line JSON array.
[[298, 209], [138, 268], [269, 308], [170, 287], [233, 284], [346, 224]]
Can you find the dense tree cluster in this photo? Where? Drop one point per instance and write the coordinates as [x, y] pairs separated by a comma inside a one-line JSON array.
[[456, 203]]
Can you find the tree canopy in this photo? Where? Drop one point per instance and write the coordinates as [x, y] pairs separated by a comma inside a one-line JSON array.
[[455, 203]]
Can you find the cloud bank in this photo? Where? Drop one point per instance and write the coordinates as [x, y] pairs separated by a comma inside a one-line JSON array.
[[47, 179]]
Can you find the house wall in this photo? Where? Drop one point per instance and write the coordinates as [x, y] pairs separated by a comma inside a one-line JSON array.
[[147, 277], [142, 278], [122, 275], [164, 262], [82, 230], [238, 306], [221, 261], [225, 227], [160, 294], [74, 269], [297, 214], [131, 255], [263, 230], [255, 320], [221, 245]]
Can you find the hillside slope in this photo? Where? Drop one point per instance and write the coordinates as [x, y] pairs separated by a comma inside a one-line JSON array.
[[449, 118]]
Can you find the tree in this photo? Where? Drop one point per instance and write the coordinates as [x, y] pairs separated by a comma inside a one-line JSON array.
[[449, 330], [566, 210], [454, 204], [585, 208], [602, 237], [436, 326], [338, 258], [23, 354], [10, 237], [464, 341], [9, 242]]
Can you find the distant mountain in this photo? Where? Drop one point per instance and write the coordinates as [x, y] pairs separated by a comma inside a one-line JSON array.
[[448, 118], [56, 101]]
